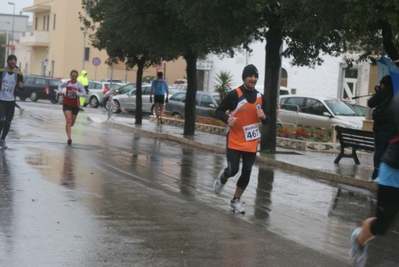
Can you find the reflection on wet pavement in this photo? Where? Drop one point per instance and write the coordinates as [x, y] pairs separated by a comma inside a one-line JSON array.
[[115, 198]]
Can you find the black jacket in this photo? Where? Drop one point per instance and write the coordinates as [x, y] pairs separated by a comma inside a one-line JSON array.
[[382, 115], [391, 155]]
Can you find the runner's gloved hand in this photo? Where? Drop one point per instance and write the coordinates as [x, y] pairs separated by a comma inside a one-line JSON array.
[[150, 99]]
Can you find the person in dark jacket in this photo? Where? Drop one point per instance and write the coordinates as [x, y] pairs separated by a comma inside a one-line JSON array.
[[387, 200], [383, 121]]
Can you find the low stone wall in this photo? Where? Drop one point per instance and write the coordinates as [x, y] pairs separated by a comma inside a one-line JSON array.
[[280, 141], [198, 126]]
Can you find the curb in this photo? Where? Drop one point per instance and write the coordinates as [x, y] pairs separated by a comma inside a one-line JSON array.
[[264, 160]]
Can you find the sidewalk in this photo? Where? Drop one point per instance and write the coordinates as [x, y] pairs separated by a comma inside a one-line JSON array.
[[318, 165]]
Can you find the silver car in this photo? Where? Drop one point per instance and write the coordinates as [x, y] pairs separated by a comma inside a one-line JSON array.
[[319, 112], [96, 92], [206, 102], [127, 101]]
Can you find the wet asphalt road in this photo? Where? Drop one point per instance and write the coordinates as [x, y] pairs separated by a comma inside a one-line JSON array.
[[114, 198]]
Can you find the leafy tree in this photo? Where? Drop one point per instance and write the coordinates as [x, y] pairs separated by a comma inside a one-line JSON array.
[[307, 27], [129, 36], [371, 28]]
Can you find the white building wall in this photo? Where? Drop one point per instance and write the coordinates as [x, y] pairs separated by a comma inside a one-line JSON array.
[[320, 81]]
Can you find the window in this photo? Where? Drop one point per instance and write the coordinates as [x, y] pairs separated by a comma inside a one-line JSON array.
[[29, 80], [40, 81], [314, 107], [44, 23], [55, 82], [48, 22], [178, 96], [293, 103], [36, 22], [87, 53], [206, 101], [54, 20], [145, 90], [127, 89]]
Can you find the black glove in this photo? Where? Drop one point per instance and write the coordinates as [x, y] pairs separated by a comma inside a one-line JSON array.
[[150, 99], [166, 100]]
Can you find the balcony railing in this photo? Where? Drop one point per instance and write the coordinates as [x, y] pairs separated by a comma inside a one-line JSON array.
[[36, 38]]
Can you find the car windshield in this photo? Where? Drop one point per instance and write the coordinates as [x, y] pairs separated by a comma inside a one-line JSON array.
[[173, 91], [359, 109], [340, 108], [114, 86]]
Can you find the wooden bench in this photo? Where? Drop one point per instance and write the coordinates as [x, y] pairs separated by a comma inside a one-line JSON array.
[[355, 139]]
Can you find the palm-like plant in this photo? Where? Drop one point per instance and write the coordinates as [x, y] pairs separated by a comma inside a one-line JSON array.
[[222, 85]]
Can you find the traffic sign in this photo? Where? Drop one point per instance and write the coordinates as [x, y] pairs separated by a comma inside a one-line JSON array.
[[96, 61]]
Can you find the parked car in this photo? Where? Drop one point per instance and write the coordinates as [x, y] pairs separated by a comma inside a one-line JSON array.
[[97, 90], [361, 110], [39, 87], [128, 100], [204, 102], [283, 90], [117, 91], [113, 80], [318, 112]]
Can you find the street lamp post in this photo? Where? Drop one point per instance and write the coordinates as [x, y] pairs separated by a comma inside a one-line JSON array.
[[12, 31]]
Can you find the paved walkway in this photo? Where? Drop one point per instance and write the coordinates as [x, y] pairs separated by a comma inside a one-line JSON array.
[[313, 164]]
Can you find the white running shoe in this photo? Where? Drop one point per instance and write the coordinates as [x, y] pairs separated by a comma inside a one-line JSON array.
[[21, 110], [218, 185], [236, 206], [357, 255]]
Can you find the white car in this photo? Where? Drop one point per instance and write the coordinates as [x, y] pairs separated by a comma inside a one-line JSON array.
[[319, 112]]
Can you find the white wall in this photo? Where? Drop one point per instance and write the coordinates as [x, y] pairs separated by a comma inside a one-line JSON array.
[[320, 81]]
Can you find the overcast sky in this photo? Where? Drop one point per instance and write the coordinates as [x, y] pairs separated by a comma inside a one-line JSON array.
[[19, 5]]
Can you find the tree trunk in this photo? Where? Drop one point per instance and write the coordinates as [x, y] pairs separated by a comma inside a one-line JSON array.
[[189, 107], [139, 99], [272, 82]]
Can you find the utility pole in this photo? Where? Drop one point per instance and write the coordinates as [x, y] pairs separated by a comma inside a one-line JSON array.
[[12, 31]]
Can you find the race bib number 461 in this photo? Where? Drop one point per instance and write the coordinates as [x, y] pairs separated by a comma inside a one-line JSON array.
[[251, 132]]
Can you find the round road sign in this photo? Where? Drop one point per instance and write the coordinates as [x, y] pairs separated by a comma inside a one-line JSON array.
[[96, 61]]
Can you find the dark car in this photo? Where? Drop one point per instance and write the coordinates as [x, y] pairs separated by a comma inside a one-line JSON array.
[[39, 87], [205, 102]]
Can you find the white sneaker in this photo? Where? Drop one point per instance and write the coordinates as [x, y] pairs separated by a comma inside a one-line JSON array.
[[236, 206], [357, 255], [376, 180], [21, 110], [218, 185]]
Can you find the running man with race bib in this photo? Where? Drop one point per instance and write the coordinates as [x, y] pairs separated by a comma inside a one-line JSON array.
[[247, 108]]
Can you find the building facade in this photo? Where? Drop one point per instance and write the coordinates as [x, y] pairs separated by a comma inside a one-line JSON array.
[[57, 44]]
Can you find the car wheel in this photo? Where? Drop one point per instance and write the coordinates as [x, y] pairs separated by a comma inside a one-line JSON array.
[[60, 99], [176, 115], [94, 102], [116, 107], [33, 97]]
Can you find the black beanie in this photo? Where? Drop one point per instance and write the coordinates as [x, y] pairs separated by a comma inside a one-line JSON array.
[[11, 57], [250, 70]]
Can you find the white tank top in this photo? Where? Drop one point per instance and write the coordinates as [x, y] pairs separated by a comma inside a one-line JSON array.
[[7, 87]]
